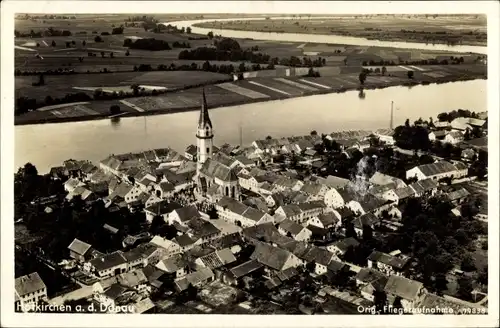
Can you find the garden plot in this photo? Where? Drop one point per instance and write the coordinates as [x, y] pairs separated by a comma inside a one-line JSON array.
[[347, 81], [74, 111], [47, 108], [242, 91], [296, 84], [281, 87], [437, 74], [319, 83]]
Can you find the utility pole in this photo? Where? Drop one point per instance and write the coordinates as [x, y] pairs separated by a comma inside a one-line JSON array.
[[241, 135]]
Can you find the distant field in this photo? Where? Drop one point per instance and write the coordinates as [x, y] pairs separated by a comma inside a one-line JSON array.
[[469, 29], [59, 85]]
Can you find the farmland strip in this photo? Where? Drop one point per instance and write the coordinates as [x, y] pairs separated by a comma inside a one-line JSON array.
[[417, 68], [315, 84], [404, 67], [242, 91], [296, 84], [344, 81], [270, 88], [137, 108]]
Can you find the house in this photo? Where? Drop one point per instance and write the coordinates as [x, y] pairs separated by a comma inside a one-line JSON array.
[[175, 266], [301, 212], [162, 208], [435, 171], [423, 187], [398, 195], [296, 231], [190, 152], [410, 292], [216, 259], [454, 137], [274, 258], [387, 263], [368, 219], [327, 220], [170, 247], [441, 125], [386, 136], [29, 290], [135, 280], [457, 196], [368, 204], [71, 184], [108, 265], [84, 193], [196, 279], [183, 215], [240, 214], [316, 190], [186, 242], [382, 179], [164, 190], [320, 257], [468, 154], [79, 250], [334, 182], [437, 135], [285, 183], [447, 304], [464, 123], [336, 198], [340, 247], [367, 275], [239, 272], [116, 298], [202, 230], [369, 289], [462, 170]]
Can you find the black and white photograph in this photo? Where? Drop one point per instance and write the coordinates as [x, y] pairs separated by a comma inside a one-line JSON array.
[[320, 160]]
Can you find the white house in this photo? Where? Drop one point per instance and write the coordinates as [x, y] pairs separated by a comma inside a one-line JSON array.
[[162, 208], [327, 220], [437, 135], [240, 214], [295, 230], [301, 212], [386, 136], [454, 137], [435, 171], [397, 195], [341, 246], [29, 290], [410, 292]]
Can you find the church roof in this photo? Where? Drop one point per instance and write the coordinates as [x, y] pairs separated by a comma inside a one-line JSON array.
[[204, 118], [218, 170]]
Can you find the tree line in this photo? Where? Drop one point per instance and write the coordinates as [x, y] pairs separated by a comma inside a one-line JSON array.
[[151, 44]]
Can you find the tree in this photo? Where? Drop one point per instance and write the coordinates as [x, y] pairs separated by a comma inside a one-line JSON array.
[[380, 301], [210, 35], [349, 230], [311, 266], [98, 39], [468, 263], [464, 287], [410, 74], [127, 53], [188, 30], [114, 109], [362, 77], [84, 43], [53, 43], [41, 80], [367, 232], [103, 54], [384, 70], [314, 133], [111, 55]]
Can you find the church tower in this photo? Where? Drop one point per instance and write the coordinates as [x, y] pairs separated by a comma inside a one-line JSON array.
[[204, 135]]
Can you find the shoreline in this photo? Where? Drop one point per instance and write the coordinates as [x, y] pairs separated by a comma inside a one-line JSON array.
[[207, 25], [409, 84]]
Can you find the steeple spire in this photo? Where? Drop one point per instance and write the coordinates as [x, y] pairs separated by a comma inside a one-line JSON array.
[[204, 118]]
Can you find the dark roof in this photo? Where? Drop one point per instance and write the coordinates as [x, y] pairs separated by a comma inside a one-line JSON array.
[[218, 170], [345, 212], [115, 291], [335, 182], [29, 283], [291, 226], [270, 256], [163, 207], [187, 213], [79, 247], [458, 194], [191, 149], [174, 263], [405, 192], [202, 228], [368, 275], [345, 243], [184, 240], [328, 219], [422, 186], [245, 268], [108, 261], [436, 168], [403, 287], [335, 266], [368, 219], [298, 248], [318, 255], [286, 274]]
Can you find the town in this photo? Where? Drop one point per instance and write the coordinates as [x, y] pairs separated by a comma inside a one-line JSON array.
[[357, 222]]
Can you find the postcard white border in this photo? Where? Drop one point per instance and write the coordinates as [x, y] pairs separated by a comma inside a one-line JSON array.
[[11, 319]]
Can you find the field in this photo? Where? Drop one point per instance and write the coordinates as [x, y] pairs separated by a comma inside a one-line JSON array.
[[465, 29], [59, 85]]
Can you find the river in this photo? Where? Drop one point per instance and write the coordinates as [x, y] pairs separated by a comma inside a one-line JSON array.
[[47, 145], [318, 38]]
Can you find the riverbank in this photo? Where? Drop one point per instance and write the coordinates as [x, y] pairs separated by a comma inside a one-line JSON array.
[[219, 98], [430, 29]]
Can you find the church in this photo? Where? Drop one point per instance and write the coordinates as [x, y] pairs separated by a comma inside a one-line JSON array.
[[214, 180]]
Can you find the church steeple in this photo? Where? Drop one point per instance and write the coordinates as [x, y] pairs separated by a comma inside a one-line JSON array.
[[204, 135], [204, 119]]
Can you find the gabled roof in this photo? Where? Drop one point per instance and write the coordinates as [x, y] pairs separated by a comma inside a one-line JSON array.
[[383, 179], [184, 240], [405, 192], [367, 275], [132, 278], [115, 291], [108, 261], [368, 219], [245, 268], [79, 247], [218, 170], [318, 255], [270, 256], [335, 182], [403, 287], [187, 213], [164, 243], [29, 284], [191, 149], [387, 259], [335, 266], [291, 227], [345, 243], [328, 219], [458, 194], [201, 228], [436, 168], [218, 259], [422, 186], [172, 264]]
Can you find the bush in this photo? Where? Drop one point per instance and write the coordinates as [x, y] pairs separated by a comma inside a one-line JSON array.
[[147, 44], [114, 109], [98, 39]]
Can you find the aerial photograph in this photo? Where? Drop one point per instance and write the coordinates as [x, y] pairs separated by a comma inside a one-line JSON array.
[[255, 164]]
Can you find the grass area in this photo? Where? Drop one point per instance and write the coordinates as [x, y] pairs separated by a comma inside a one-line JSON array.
[[462, 29]]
